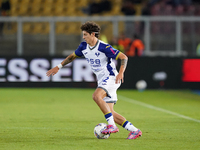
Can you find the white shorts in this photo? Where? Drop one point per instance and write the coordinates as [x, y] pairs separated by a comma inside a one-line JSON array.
[[110, 87]]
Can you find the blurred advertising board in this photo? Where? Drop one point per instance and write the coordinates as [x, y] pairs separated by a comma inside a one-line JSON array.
[[158, 72]]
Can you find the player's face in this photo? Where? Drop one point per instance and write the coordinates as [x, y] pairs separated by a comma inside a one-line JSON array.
[[88, 37]]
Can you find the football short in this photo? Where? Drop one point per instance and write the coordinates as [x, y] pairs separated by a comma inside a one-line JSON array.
[[110, 87]]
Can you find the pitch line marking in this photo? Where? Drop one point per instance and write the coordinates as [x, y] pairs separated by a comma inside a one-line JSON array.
[[156, 108], [34, 128]]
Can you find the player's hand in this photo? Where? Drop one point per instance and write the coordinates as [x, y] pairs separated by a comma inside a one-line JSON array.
[[52, 71], [119, 78]]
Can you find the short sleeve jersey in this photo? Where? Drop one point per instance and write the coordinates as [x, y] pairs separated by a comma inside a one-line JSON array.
[[99, 57]]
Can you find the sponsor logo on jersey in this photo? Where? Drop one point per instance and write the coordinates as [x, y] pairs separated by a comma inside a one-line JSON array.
[[107, 46], [112, 51]]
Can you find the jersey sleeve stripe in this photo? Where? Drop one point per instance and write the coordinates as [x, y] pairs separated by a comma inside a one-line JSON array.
[[76, 55], [117, 55]]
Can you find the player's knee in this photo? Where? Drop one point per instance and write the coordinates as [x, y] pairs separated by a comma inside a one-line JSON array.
[[95, 97]]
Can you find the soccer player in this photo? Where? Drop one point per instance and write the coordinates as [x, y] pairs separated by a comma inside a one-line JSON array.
[[99, 56]]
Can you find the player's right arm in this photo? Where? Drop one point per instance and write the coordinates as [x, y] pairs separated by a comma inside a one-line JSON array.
[[66, 61]]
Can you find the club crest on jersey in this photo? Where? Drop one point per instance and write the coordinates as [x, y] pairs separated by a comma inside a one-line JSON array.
[[97, 54]]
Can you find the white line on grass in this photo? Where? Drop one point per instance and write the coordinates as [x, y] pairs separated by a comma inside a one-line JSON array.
[[156, 108], [34, 128]]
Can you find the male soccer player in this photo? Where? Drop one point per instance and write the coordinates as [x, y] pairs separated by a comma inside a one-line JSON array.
[[99, 56]]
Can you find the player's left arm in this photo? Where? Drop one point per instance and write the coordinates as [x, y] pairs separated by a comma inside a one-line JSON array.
[[124, 60]]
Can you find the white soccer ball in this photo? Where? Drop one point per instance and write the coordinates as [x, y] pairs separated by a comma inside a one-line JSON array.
[[141, 85], [97, 131]]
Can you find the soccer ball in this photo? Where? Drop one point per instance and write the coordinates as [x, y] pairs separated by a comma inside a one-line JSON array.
[[141, 85], [97, 131]]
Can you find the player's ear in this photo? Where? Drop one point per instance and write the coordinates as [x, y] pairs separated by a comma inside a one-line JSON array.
[[93, 33]]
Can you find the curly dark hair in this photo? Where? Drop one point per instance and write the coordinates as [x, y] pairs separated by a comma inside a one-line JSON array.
[[90, 27]]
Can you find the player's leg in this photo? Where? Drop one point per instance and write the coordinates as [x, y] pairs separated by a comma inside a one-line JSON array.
[[98, 96], [120, 120], [117, 117]]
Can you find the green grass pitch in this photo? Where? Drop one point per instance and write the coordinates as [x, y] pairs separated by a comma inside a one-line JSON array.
[[64, 119]]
